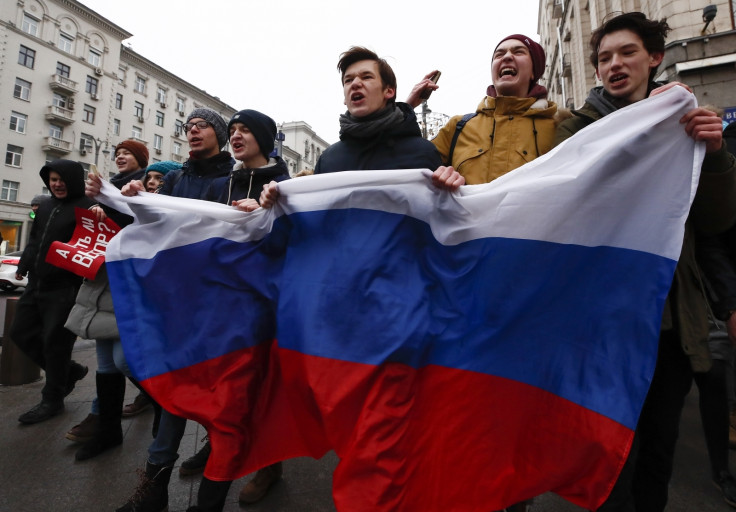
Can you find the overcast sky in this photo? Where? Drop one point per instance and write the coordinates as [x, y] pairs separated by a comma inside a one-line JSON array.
[[279, 57]]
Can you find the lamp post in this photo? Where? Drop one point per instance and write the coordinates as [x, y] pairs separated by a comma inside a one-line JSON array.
[[425, 111], [280, 137], [98, 144]]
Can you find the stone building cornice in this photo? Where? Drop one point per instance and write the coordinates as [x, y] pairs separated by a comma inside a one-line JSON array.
[[94, 18]]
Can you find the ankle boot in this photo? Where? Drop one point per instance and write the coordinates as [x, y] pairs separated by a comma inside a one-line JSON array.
[[152, 494], [255, 490], [212, 495], [110, 396]]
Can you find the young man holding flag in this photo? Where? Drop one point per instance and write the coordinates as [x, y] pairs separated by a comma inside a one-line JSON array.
[[626, 51]]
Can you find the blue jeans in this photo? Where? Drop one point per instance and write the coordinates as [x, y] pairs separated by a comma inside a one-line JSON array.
[[164, 450]]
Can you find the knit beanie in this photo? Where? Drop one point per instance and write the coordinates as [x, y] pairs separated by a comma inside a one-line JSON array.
[[163, 167], [138, 150], [216, 120], [539, 60], [260, 125]]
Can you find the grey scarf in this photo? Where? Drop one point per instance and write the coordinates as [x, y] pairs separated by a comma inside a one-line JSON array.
[[372, 124], [606, 103]]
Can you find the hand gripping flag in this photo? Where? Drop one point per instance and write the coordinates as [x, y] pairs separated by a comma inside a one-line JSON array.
[[458, 351]]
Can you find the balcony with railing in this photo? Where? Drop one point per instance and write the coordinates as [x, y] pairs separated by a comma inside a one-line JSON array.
[[63, 83], [60, 114], [54, 145]]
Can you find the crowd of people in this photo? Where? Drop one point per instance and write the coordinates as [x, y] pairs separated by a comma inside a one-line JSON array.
[[513, 124]]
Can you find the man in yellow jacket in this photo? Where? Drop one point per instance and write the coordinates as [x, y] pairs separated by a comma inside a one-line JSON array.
[[513, 124]]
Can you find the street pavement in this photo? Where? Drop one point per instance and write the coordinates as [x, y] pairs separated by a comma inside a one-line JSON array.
[[38, 471]]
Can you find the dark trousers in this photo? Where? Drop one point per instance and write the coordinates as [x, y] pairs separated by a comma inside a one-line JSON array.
[[714, 414], [38, 330], [643, 483]]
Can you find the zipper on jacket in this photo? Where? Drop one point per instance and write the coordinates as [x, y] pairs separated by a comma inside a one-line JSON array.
[[43, 235], [250, 184]]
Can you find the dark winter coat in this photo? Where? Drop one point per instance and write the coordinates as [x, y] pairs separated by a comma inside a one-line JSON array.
[[120, 180], [193, 180], [401, 147], [244, 183], [55, 221]]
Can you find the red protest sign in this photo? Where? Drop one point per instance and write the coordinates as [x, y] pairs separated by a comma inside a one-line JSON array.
[[85, 252]]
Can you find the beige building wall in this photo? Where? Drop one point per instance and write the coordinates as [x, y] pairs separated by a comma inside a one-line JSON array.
[[302, 146], [70, 88], [565, 27]]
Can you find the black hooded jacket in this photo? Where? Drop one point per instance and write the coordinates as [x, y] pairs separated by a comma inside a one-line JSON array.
[[400, 147], [193, 180], [55, 220], [244, 183]]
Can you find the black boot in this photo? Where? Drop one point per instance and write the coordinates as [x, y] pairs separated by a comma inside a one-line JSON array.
[[212, 495], [152, 494], [110, 396], [196, 463]]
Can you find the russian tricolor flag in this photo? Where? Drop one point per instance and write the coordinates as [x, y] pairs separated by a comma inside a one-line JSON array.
[[458, 351]]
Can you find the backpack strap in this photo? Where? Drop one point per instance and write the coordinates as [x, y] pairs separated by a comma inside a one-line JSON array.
[[458, 128]]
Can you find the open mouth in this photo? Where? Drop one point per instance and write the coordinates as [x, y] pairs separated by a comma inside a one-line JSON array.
[[238, 145], [356, 96], [618, 78], [508, 72]]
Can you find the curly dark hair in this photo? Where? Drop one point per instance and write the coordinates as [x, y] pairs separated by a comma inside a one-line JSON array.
[[651, 32]]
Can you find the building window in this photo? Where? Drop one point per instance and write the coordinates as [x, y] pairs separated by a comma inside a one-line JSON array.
[[119, 101], [18, 122], [91, 86], [159, 118], [26, 57], [22, 89], [9, 191], [138, 109], [178, 127], [137, 133], [95, 57], [158, 141], [59, 100], [140, 85], [14, 156], [56, 132], [89, 114], [66, 43], [179, 105], [116, 126], [30, 25], [62, 69], [161, 95], [85, 143], [177, 148]]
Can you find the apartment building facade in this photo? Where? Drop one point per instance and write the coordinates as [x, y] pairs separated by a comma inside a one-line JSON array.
[[701, 48], [69, 88], [302, 147]]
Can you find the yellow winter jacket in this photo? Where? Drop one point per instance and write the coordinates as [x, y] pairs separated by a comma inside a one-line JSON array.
[[506, 133]]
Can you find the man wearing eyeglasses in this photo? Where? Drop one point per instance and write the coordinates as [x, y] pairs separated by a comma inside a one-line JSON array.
[[207, 134]]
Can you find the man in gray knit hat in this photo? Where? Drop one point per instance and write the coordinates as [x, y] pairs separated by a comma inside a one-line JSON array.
[[207, 134]]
